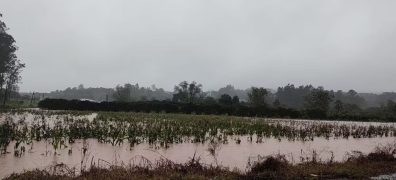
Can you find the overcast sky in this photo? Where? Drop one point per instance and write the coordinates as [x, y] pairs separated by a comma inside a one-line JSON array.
[[339, 44]]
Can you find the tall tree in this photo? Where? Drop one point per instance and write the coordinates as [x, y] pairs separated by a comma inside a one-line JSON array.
[[225, 99], [123, 93], [338, 106], [319, 99], [350, 97], [187, 92], [257, 96], [292, 96], [10, 65], [130, 92]]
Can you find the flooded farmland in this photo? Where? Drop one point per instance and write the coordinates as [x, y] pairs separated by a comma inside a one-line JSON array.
[[39, 139]]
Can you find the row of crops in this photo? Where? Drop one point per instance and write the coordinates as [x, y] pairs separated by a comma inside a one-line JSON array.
[[65, 127]]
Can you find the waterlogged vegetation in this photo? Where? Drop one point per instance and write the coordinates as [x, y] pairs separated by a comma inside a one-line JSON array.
[[356, 166], [76, 134], [60, 128]]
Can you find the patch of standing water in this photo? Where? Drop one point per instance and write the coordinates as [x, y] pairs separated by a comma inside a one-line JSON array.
[[41, 155]]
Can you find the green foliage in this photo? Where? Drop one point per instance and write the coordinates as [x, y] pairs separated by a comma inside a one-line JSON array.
[[164, 129], [338, 106], [226, 99], [277, 103], [351, 97], [235, 100], [10, 65], [187, 92], [209, 100], [292, 96], [129, 92], [257, 96], [230, 90], [289, 96], [318, 99]]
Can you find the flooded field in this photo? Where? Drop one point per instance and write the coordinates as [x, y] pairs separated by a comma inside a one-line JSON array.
[[39, 139]]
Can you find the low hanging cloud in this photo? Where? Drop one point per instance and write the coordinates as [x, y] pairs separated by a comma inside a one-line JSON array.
[[337, 44]]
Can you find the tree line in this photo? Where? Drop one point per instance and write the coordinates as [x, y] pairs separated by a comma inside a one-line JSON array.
[[289, 96], [289, 101]]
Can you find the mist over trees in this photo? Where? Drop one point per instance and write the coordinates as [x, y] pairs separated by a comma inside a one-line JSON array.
[[257, 96], [294, 101], [227, 100], [188, 92], [230, 90], [130, 93], [80, 92], [376, 100], [293, 97], [10, 65], [317, 102], [123, 93], [289, 96]]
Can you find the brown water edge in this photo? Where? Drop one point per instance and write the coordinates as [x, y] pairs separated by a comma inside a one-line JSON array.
[[231, 155]]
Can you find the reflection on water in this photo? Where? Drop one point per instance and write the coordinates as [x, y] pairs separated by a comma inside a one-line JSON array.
[[232, 155]]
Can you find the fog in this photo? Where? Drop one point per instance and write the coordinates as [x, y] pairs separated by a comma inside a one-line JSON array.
[[337, 44]]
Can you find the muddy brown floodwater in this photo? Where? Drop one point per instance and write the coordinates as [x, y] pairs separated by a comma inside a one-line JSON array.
[[41, 155], [230, 155]]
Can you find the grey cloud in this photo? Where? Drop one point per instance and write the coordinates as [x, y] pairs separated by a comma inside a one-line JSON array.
[[337, 44]]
